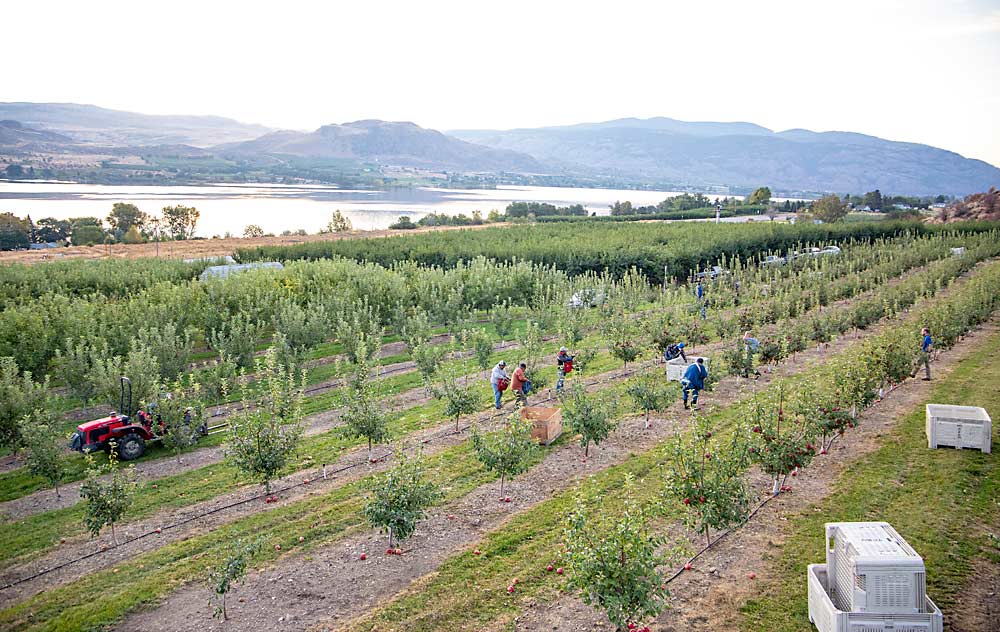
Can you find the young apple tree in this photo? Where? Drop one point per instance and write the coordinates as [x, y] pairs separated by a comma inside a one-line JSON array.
[[222, 578], [780, 444], [502, 317], [482, 348], [622, 335], [107, 500], [651, 392], [614, 559], [366, 415], [589, 416], [707, 477], [400, 497], [20, 395], [428, 359], [459, 399], [506, 451], [264, 436], [44, 450]]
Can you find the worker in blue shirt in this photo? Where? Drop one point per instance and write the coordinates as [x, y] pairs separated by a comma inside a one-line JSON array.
[[926, 346], [693, 382]]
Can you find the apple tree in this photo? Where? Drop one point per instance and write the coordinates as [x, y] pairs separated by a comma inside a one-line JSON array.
[[614, 559], [108, 492], [589, 416], [399, 498], [706, 476], [233, 568], [366, 415], [506, 451]]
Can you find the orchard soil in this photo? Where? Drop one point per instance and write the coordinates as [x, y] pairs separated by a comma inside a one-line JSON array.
[[331, 584], [709, 596]]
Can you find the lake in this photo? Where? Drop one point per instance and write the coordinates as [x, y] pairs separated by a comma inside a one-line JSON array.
[[275, 208]]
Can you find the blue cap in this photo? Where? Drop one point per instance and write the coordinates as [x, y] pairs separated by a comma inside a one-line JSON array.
[[680, 346]]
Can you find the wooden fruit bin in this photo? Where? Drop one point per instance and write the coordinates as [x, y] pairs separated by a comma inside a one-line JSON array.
[[546, 423]]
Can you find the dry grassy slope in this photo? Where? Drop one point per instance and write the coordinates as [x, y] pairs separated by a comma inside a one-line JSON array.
[[191, 249]]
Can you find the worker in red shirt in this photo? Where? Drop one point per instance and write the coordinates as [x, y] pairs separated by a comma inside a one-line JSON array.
[[517, 384]]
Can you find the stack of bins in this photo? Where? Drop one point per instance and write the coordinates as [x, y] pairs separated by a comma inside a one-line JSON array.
[[872, 581]]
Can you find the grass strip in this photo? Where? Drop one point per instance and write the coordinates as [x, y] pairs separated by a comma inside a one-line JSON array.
[[936, 499]]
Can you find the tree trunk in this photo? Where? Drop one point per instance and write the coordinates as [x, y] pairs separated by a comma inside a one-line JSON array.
[[114, 536], [586, 449], [225, 615], [502, 476], [369, 450], [647, 420], [390, 537]]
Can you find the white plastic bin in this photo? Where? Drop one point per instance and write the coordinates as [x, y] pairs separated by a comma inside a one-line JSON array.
[[828, 618], [873, 569], [677, 367], [959, 427]]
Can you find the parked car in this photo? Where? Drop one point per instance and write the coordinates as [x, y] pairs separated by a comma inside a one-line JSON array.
[[773, 260], [830, 250]]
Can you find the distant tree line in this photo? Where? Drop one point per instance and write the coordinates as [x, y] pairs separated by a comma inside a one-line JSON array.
[[877, 201], [125, 224]]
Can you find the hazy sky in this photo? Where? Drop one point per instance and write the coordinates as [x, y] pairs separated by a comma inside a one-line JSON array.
[[922, 71]]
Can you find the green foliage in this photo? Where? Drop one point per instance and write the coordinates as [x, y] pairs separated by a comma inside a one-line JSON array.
[[139, 366], [482, 348], [459, 399], [760, 195], [416, 328], [502, 318], [428, 358], [20, 395], [181, 410], [264, 437], [651, 392], [303, 327], [44, 450], [234, 566], [359, 331], [124, 217], [108, 492], [339, 223], [781, 441], [181, 221], [706, 476], [506, 451], [622, 334], [15, 233], [236, 340], [590, 416], [172, 349], [400, 497], [614, 559], [829, 209], [583, 357], [365, 414], [403, 223]]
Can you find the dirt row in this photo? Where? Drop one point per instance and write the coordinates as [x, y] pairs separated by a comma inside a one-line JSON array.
[[69, 552], [324, 586], [710, 596], [353, 462]]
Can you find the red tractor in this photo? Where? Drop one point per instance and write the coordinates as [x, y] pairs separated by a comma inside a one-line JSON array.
[[119, 431]]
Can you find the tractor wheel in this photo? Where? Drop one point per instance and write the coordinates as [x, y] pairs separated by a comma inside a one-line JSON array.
[[132, 447]]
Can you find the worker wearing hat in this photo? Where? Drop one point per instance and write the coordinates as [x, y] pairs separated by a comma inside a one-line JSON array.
[[499, 379], [564, 362]]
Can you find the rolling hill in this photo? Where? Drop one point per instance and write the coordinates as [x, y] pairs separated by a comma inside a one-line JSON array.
[[101, 126], [744, 155], [391, 143]]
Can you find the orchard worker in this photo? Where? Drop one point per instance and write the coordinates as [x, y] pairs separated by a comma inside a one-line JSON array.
[[926, 346], [499, 379], [673, 351], [519, 383], [693, 381], [750, 347], [564, 362]]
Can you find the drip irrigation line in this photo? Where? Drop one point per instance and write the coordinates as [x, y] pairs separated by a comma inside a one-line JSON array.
[[320, 474]]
